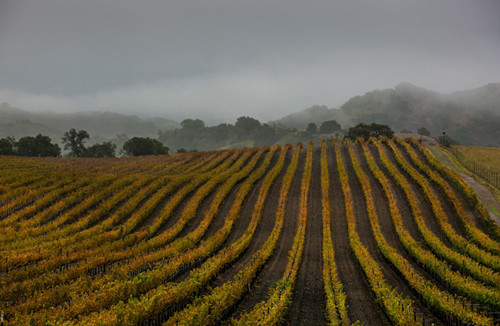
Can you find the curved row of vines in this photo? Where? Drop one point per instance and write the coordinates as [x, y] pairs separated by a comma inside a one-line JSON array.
[[145, 241]]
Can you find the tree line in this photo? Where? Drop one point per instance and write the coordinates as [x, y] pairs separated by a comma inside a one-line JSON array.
[[246, 131], [74, 141], [193, 135]]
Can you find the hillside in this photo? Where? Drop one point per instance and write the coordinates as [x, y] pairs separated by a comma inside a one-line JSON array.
[[255, 236], [100, 125], [471, 117], [316, 114]]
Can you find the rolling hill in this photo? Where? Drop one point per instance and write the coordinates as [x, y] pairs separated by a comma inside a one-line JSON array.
[[471, 117], [379, 233], [100, 125]]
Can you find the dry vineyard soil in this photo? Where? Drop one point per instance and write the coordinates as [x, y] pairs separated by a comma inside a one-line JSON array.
[[63, 251]]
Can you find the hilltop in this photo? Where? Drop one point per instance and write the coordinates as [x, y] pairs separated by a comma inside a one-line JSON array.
[[100, 125], [472, 117]]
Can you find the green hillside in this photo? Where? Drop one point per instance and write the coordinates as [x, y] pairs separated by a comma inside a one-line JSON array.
[[471, 117]]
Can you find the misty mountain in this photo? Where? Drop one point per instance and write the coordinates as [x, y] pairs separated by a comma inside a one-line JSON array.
[[316, 114], [100, 125], [471, 117]]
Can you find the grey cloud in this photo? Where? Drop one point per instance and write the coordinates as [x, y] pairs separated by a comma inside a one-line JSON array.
[[223, 57]]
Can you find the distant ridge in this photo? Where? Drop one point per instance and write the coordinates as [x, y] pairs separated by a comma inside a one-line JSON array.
[[472, 117], [100, 125], [300, 120]]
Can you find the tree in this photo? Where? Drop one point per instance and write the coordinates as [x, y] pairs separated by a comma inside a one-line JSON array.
[[423, 131], [8, 146], [74, 141], [221, 132], [192, 124], [106, 149], [372, 130], [144, 146], [265, 135], [246, 125], [40, 146], [329, 126], [312, 128]]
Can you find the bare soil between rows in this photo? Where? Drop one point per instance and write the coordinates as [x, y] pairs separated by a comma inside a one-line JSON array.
[[274, 268], [309, 302]]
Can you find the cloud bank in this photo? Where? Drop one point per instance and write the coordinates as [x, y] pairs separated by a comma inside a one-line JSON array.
[[221, 59]]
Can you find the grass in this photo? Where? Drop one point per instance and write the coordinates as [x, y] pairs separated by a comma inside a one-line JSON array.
[[487, 156], [439, 153], [494, 209]]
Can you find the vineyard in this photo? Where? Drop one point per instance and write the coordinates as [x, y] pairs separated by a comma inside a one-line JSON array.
[[370, 232]]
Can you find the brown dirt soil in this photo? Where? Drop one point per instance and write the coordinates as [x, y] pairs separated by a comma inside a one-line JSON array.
[[308, 304], [424, 206], [241, 224], [246, 209], [275, 267], [204, 205], [363, 228], [361, 301], [220, 217], [309, 300], [237, 230], [467, 206], [404, 208], [445, 203], [389, 231], [154, 214]]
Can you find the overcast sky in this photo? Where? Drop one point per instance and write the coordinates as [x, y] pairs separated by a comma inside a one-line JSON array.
[[220, 59]]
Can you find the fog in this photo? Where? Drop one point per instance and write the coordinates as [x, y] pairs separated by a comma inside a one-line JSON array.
[[220, 59]]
